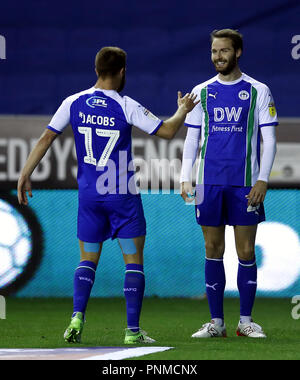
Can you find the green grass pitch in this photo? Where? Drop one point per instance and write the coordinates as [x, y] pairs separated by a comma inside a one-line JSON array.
[[40, 323]]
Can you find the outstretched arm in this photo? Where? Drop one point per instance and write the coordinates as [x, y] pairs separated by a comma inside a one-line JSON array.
[[34, 158], [170, 126]]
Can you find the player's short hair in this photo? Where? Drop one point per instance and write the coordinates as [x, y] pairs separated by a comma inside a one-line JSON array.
[[109, 61], [234, 35]]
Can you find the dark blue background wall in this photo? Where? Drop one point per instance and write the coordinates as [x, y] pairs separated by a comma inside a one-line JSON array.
[[51, 48]]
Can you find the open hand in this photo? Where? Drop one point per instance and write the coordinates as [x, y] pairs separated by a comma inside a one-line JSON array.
[[187, 103]]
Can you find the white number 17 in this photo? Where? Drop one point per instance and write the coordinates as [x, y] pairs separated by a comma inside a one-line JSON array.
[[113, 136]]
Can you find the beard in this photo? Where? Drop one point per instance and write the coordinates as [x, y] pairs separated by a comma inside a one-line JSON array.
[[228, 67], [122, 83]]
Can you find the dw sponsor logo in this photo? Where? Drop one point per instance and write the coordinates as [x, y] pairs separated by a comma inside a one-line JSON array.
[[2, 47], [96, 101], [233, 113], [296, 49]]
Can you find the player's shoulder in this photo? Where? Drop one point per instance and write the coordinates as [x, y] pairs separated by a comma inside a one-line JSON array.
[[131, 105], [259, 86], [94, 93], [134, 110], [71, 98], [129, 102], [199, 87]]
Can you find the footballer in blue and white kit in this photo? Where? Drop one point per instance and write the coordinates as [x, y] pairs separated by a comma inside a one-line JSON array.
[[228, 123], [102, 122], [234, 112], [110, 205]]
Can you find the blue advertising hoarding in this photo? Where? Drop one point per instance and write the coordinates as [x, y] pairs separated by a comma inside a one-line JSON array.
[[174, 250]]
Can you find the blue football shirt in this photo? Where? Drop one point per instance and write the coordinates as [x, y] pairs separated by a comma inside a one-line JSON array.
[[102, 123], [230, 115]]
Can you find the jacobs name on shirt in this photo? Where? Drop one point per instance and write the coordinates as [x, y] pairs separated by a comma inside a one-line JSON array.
[[97, 119]]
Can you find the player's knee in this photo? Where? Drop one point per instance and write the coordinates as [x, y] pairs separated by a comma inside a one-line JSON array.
[[246, 253], [89, 257], [90, 251], [132, 252], [214, 250], [127, 246]]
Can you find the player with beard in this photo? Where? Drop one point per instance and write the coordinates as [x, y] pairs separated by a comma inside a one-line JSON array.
[[109, 205], [235, 110]]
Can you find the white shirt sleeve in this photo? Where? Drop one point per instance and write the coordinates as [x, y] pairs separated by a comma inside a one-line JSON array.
[[61, 118], [194, 118], [267, 114], [140, 117], [269, 151], [190, 150]]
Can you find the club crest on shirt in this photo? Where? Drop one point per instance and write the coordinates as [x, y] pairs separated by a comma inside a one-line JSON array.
[[244, 95]]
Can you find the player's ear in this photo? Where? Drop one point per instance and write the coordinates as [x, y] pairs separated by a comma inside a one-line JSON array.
[[96, 72], [122, 71], [238, 53]]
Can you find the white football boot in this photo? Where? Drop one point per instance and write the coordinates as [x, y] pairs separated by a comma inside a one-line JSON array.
[[211, 330], [250, 330]]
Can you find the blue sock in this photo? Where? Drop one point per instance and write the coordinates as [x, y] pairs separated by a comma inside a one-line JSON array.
[[246, 281], [215, 286], [134, 286], [83, 282]]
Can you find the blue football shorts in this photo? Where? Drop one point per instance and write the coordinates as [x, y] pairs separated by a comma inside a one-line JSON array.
[[100, 220], [218, 205]]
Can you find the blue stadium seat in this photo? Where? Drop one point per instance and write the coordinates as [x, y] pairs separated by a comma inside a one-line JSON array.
[[166, 46], [71, 83], [145, 89]]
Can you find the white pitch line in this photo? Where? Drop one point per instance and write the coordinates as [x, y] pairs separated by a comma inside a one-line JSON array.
[[128, 353], [21, 350]]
